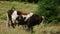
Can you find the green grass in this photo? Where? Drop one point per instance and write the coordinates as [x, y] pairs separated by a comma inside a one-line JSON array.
[[24, 7], [21, 6]]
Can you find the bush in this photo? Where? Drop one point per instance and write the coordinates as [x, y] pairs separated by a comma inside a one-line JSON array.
[[49, 9]]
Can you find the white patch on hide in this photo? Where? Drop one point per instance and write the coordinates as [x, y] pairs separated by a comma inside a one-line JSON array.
[[14, 16], [27, 16], [24, 16]]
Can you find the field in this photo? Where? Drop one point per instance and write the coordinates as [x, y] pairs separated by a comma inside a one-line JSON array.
[[24, 7]]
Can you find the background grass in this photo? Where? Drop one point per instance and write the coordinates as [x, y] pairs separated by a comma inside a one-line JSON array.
[[24, 7]]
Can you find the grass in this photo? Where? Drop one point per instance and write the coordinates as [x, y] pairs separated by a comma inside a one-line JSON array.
[[24, 7], [21, 6]]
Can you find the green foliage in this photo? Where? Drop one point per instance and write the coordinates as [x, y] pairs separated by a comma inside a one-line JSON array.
[[49, 9], [3, 16]]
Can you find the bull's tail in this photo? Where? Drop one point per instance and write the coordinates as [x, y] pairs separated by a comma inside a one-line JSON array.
[[43, 19]]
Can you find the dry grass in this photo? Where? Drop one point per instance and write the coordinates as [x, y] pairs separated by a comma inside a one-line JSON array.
[[25, 7], [38, 29]]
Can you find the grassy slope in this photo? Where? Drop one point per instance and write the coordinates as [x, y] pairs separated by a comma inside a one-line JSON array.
[[24, 7]]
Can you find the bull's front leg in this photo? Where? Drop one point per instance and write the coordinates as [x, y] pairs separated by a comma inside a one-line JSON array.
[[8, 23], [13, 23]]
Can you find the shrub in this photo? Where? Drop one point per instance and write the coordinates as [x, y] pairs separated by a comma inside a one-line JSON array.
[[49, 9]]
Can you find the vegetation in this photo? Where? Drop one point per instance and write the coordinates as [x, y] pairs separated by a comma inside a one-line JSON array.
[[48, 8], [21, 6]]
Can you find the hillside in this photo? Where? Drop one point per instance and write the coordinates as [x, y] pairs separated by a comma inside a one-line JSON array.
[[24, 7], [21, 6]]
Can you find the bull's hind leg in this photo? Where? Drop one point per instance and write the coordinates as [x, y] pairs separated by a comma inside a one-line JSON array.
[[31, 30]]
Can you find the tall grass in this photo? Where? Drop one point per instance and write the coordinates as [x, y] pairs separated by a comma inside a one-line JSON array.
[[24, 7]]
